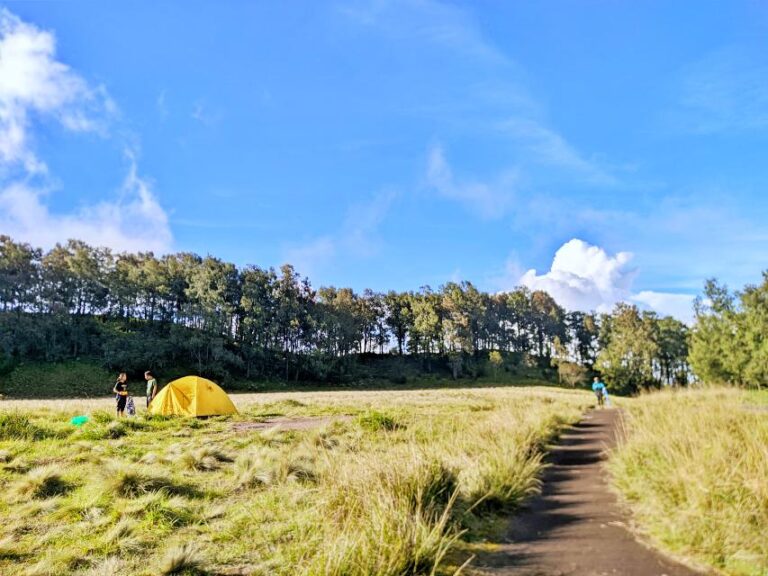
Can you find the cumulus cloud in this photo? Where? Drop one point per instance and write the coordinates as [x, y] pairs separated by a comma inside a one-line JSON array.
[[585, 277], [489, 201], [36, 87]]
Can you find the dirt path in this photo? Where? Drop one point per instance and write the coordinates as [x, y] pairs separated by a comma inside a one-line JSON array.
[[575, 527], [290, 423]]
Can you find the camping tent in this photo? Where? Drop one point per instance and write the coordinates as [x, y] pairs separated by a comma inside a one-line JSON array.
[[192, 396]]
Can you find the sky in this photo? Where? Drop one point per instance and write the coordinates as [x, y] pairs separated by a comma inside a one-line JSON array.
[[603, 151]]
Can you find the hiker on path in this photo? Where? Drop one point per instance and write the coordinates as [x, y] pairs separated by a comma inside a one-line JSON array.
[[121, 393], [151, 386], [600, 390]]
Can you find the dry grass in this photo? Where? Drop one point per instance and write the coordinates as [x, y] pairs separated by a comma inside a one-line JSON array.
[[390, 489], [694, 469]]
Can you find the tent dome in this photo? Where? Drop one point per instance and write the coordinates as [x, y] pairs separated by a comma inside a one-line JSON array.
[[192, 396]]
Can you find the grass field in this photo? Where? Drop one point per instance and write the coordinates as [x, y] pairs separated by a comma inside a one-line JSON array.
[[391, 483], [695, 471]]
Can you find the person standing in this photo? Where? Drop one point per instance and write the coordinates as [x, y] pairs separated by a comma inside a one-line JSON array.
[[151, 386], [121, 393], [600, 390]]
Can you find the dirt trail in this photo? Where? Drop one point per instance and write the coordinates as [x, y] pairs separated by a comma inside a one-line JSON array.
[[575, 527], [290, 423]]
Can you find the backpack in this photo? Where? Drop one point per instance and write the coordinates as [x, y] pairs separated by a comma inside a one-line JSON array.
[[130, 407]]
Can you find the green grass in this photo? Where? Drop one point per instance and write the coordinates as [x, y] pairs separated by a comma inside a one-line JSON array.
[[694, 469], [391, 484]]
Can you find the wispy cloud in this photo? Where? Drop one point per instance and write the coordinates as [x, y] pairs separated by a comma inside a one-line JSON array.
[[358, 237], [548, 147], [34, 85], [312, 256], [489, 201], [726, 91], [438, 23], [161, 104], [203, 114]]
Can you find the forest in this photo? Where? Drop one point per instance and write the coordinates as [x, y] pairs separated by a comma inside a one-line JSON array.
[[184, 312]]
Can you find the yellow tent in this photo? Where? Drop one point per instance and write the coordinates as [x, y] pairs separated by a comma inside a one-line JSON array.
[[192, 396]]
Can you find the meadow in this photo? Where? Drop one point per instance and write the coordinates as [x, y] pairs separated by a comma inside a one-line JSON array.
[[384, 483], [693, 469]]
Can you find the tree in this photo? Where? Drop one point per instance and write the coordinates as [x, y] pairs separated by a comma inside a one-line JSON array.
[[398, 316], [628, 349], [496, 360], [716, 354]]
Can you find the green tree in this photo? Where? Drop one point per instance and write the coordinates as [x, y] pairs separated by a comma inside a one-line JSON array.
[[628, 349]]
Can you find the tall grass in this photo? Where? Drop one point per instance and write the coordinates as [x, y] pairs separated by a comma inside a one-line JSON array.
[[390, 489], [694, 468]]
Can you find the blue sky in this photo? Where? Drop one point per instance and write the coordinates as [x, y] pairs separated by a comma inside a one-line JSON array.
[[616, 148]]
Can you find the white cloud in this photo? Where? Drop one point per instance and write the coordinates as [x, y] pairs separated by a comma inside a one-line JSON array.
[[489, 201], [32, 81], [133, 222], [678, 305], [585, 277], [34, 86]]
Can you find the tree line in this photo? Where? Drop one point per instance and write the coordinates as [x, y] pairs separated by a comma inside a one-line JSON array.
[[135, 311]]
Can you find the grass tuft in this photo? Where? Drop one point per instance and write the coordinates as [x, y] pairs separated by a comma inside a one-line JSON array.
[[9, 549], [40, 483], [132, 482], [184, 558], [18, 426], [203, 459], [109, 566], [375, 421]]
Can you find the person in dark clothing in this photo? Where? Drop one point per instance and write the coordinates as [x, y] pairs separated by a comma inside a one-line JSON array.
[[121, 393]]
